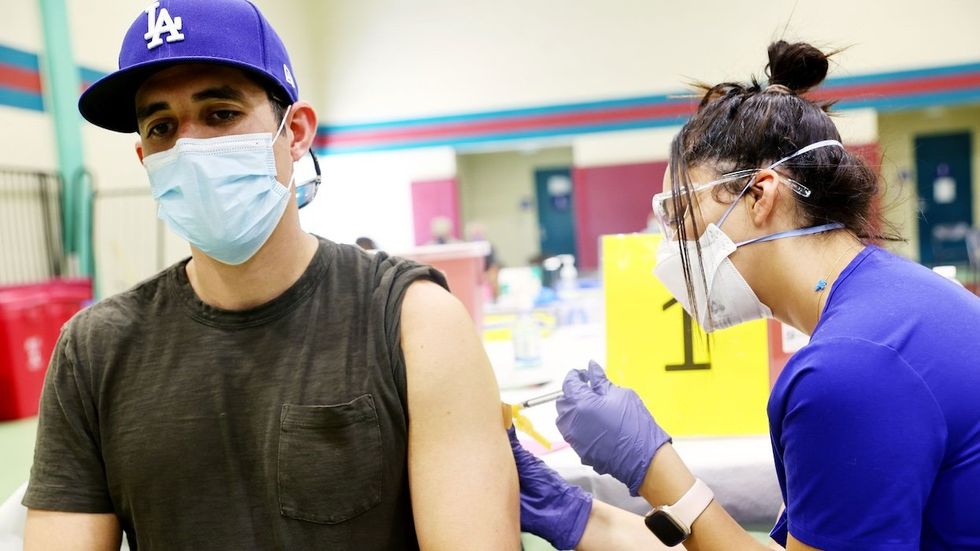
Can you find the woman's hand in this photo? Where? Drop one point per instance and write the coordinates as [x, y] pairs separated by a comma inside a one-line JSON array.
[[608, 426], [550, 507]]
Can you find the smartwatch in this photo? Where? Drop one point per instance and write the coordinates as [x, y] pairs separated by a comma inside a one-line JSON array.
[[672, 523]]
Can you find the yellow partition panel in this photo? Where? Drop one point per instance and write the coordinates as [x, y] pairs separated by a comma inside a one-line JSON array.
[[692, 385]]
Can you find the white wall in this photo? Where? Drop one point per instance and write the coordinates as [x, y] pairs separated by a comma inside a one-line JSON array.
[[27, 140], [388, 60], [370, 195], [22, 25], [618, 148]]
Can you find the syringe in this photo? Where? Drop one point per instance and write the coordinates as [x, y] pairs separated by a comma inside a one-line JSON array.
[[543, 399]]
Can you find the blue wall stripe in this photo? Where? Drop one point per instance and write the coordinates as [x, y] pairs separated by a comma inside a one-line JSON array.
[[652, 100], [29, 61], [913, 74], [600, 105], [506, 136], [90, 75], [21, 99], [18, 58], [894, 103], [884, 104]]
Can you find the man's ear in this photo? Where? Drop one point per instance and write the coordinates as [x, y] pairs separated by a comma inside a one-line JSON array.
[[302, 124], [763, 196], [139, 149]]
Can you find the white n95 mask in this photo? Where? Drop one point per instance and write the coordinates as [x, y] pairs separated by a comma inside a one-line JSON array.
[[220, 194], [728, 296]]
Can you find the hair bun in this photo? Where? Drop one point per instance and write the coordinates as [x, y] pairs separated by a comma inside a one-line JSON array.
[[797, 66]]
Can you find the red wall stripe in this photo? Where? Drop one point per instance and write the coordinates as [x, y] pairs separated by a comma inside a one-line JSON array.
[[20, 79], [488, 127], [900, 88], [462, 129]]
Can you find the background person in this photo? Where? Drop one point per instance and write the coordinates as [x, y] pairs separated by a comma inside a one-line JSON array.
[[442, 230]]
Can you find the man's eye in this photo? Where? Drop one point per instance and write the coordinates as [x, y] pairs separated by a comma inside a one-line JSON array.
[[158, 129], [224, 115]]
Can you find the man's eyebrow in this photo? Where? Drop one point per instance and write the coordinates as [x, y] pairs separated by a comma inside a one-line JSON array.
[[219, 92], [147, 110]]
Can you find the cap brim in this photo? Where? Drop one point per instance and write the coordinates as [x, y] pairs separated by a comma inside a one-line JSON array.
[[111, 101]]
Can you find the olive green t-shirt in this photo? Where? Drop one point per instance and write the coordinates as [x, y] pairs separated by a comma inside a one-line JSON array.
[[280, 427]]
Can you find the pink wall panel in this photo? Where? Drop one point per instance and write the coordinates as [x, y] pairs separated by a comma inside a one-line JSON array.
[[612, 199], [430, 199]]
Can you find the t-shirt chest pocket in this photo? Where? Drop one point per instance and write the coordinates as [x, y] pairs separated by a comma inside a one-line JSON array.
[[329, 463]]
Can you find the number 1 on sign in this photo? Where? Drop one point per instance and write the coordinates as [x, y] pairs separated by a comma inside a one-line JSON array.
[[689, 362]]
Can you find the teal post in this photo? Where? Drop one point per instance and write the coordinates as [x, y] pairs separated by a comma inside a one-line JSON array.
[[62, 84]]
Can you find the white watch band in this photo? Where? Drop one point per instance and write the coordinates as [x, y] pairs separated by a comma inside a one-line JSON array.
[[690, 506]]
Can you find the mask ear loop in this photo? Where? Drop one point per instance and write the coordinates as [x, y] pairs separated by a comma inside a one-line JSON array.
[[807, 149], [282, 123]]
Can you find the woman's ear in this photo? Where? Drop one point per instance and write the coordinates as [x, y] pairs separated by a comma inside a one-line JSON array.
[[763, 196]]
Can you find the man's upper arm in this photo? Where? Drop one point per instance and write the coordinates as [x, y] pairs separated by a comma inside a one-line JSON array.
[[461, 471], [69, 531]]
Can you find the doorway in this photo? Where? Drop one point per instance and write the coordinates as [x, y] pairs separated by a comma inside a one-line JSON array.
[[556, 217], [942, 165]]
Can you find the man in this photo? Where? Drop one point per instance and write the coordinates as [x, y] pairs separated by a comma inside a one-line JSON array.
[[275, 390]]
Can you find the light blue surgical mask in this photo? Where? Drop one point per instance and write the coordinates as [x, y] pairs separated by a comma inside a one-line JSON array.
[[220, 194]]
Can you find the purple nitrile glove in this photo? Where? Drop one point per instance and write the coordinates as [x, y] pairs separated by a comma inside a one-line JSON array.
[[551, 508], [608, 426]]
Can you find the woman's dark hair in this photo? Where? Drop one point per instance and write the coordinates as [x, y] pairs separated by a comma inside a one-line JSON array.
[[748, 126]]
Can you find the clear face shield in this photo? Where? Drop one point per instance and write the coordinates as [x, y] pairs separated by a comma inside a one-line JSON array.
[[672, 209], [719, 296]]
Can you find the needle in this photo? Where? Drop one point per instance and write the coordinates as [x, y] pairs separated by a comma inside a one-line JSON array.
[[543, 399]]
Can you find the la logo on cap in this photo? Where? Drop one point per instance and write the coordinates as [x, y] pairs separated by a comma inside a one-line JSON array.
[[159, 23]]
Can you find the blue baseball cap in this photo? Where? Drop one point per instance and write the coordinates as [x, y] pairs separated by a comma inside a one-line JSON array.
[[170, 32]]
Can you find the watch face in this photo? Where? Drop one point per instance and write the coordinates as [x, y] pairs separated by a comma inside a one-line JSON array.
[[666, 528]]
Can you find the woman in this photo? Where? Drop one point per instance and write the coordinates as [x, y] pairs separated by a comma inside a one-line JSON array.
[[875, 424]]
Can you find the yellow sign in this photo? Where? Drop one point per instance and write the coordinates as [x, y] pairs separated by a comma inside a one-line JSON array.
[[693, 383]]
